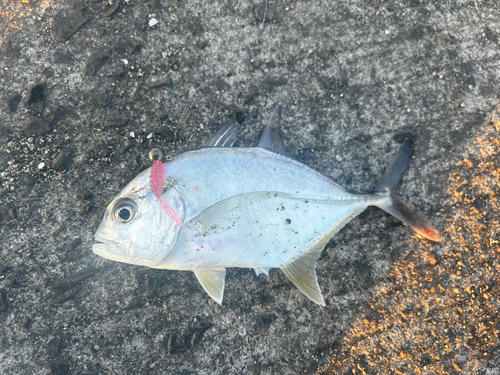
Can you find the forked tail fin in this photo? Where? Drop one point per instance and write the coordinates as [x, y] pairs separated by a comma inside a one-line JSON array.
[[395, 205]]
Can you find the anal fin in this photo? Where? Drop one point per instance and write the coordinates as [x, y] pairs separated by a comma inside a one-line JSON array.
[[212, 280], [302, 272], [259, 271]]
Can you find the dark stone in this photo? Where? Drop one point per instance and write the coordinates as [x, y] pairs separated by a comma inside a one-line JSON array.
[[4, 131], [118, 74], [84, 195], [162, 114], [101, 100], [160, 83], [119, 46], [75, 243], [110, 10], [4, 303], [353, 94], [61, 113], [67, 22], [155, 4], [116, 120], [270, 83], [165, 132], [13, 102], [267, 320], [48, 72], [37, 127], [60, 367], [84, 208], [60, 57], [264, 12], [27, 322], [10, 280], [490, 35], [96, 61], [11, 50], [140, 25], [137, 93], [417, 32], [201, 44], [3, 268], [37, 98], [65, 289], [26, 181], [133, 43], [8, 211], [64, 159], [222, 85], [53, 346], [487, 90], [240, 117]]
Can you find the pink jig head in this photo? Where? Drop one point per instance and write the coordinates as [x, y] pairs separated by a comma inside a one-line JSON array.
[[157, 178]]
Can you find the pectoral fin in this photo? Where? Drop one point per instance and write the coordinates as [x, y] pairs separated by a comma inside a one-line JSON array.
[[302, 272], [225, 213], [212, 280]]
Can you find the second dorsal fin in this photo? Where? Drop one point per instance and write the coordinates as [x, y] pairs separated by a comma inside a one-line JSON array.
[[224, 137], [271, 137]]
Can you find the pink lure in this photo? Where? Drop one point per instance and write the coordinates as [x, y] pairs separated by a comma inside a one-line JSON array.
[[156, 177]]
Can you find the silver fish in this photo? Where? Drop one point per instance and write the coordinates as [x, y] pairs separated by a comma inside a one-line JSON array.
[[243, 207]]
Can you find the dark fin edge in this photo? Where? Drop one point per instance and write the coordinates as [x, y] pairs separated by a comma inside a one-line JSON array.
[[271, 136], [395, 205]]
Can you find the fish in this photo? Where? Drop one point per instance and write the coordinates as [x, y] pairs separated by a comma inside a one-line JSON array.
[[243, 207]]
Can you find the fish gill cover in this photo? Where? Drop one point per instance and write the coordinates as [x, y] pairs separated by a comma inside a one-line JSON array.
[[438, 311]]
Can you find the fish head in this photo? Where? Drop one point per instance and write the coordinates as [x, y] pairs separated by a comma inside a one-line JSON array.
[[135, 228]]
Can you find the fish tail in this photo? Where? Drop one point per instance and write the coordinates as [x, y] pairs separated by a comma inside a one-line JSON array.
[[394, 204]]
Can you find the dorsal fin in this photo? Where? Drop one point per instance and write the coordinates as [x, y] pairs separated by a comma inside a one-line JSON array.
[[271, 136], [224, 137], [212, 280]]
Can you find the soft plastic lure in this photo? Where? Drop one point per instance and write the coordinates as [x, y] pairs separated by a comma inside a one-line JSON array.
[[157, 178]]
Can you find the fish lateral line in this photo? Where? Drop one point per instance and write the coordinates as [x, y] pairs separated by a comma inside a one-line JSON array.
[[156, 178]]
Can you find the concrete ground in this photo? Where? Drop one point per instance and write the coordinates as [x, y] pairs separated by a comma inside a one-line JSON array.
[[87, 88]]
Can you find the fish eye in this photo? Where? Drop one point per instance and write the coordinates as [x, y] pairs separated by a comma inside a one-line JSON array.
[[125, 211]]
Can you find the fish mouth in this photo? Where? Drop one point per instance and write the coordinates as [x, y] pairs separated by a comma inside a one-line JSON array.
[[110, 249], [118, 251]]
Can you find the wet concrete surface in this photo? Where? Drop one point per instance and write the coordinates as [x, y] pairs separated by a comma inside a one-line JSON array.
[[88, 89]]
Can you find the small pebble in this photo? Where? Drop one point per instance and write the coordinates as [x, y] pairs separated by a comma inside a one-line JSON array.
[[153, 22], [41, 165]]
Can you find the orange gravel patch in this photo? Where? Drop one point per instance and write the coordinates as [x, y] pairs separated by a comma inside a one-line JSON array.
[[438, 312]]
